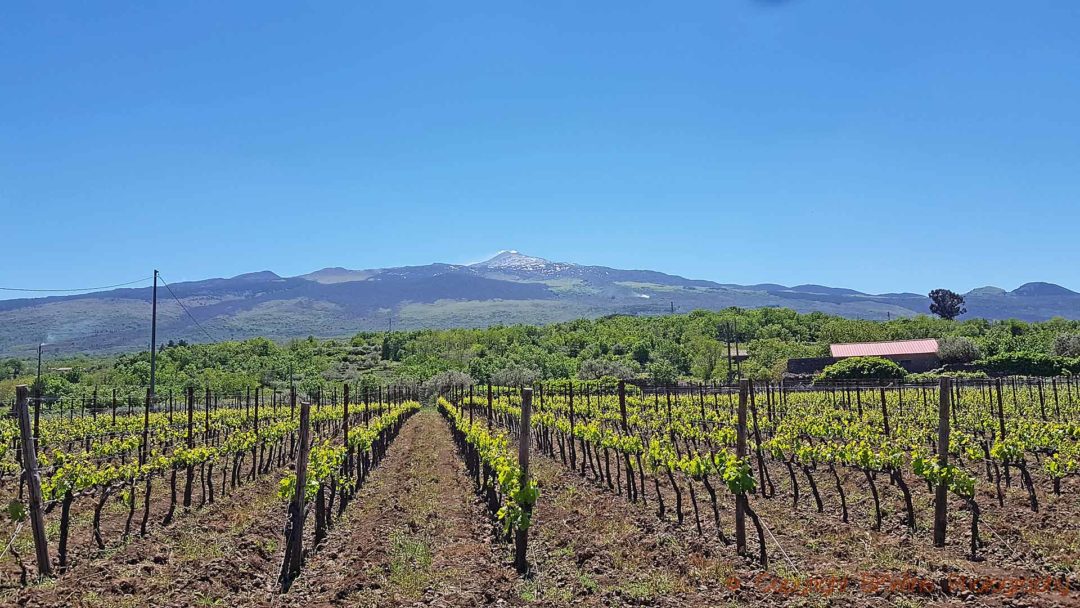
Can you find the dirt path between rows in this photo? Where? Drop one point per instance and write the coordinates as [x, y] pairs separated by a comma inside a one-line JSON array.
[[590, 547], [414, 535], [417, 535], [226, 554]]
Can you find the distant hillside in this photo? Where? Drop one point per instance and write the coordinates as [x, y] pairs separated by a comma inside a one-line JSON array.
[[509, 288]]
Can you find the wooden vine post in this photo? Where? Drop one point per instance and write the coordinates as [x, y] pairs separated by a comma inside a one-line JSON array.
[[573, 450], [256, 449], [33, 480], [942, 492], [490, 410], [294, 527], [631, 492], [740, 452], [189, 470], [144, 454], [206, 417], [757, 438], [885, 411], [345, 431], [1001, 428], [521, 537]]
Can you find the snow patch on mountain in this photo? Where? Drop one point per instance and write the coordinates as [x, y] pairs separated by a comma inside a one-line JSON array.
[[511, 259]]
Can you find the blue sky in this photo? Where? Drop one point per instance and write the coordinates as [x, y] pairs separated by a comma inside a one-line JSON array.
[[879, 146]]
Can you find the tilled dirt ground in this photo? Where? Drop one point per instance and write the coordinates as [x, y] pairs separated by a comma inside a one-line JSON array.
[[82, 547], [593, 547], [225, 551], [417, 535]]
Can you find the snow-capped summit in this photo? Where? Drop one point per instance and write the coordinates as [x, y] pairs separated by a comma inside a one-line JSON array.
[[510, 259]]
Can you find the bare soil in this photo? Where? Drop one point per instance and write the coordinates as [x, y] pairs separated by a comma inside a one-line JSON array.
[[417, 535]]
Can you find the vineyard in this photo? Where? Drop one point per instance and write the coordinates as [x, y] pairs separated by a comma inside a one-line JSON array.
[[604, 492]]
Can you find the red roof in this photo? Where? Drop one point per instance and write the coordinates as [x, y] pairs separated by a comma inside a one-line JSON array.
[[885, 349]]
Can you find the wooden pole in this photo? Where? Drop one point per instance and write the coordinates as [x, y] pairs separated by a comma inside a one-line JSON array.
[[740, 451], [521, 537], [757, 438], [345, 431], [941, 495], [153, 341], [885, 412], [622, 407], [206, 417], [144, 444], [189, 470], [294, 528], [573, 450], [256, 460], [33, 481], [1001, 427], [490, 410]]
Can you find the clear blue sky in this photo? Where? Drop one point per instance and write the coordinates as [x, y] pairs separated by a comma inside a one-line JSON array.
[[875, 145]]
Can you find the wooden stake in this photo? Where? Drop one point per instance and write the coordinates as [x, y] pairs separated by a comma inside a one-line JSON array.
[[941, 496], [740, 451], [345, 426], [33, 481], [885, 411], [521, 537], [622, 407], [294, 528]]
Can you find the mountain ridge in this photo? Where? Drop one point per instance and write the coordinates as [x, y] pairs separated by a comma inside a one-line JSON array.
[[510, 287]]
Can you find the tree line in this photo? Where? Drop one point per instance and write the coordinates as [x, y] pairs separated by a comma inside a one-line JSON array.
[[656, 348]]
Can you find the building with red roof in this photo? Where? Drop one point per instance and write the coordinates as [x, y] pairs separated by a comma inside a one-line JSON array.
[[913, 355]]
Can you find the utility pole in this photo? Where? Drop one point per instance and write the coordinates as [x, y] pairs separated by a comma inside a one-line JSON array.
[[153, 344], [37, 393], [738, 365], [727, 339]]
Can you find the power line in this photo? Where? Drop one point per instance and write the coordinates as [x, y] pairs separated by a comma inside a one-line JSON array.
[[76, 288], [196, 321]]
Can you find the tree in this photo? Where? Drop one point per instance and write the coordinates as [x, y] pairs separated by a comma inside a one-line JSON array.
[[443, 382], [1067, 345], [516, 375], [12, 367], [946, 304], [957, 350], [595, 369], [861, 368], [662, 373], [1022, 364], [707, 355]]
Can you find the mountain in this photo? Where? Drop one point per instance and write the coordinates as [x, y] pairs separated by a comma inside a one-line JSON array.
[[1042, 289], [511, 287], [989, 291]]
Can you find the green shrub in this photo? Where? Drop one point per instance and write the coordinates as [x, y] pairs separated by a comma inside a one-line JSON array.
[[861, 368], [594, 369], [1021, 364], [1072, 365], [931, 376], [1067, 345], [957, 350]]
